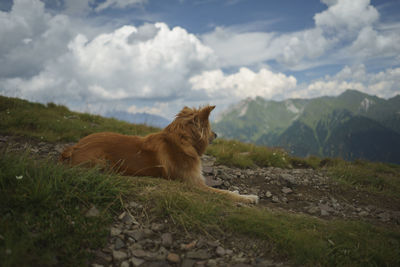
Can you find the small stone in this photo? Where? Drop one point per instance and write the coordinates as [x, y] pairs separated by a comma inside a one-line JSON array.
[[363, 213], [228, 252], [200, 254], [147, 232], [136, 262], [115, 231], [210, 181], [275, 199], [384, 216], [220, 251], [208, 169], [313, 210], [119, 255], [238, 259], [128, 219], [189, 246], [157, 227], [268, 194], [166, 239], [324, 213], [125, 264], [287, 190], [140, 253], [212, 263], [188, 263], [174, 258], [119, 243], [122, 215], [289, 178], [103, 258], [136, 234], [161, 254], [213, 244], [325, 209], [135, 205], [92, 212]]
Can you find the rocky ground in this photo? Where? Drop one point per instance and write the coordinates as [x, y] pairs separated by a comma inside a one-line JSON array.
[[136, 240]]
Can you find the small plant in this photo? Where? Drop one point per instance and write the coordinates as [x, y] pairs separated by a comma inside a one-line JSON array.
[[243, 155]]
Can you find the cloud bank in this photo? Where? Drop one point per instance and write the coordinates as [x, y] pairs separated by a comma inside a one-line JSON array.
[[49, 57]]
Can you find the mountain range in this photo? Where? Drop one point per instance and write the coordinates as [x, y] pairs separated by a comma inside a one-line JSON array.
[[139, 118], [353, 125]]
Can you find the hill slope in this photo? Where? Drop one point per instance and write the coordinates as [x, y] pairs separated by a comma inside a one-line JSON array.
[[353, 125], [331, 213]]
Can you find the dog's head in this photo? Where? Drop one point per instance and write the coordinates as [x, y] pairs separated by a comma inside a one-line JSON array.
[[193, 125]]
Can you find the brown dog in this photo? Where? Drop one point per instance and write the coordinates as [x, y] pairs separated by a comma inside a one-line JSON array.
[[174, 153]]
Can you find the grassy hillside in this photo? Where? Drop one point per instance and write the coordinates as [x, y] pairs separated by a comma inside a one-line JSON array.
[[44, 206], [56, 123]]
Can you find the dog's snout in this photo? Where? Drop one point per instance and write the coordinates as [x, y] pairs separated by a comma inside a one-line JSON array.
[[212, 137]]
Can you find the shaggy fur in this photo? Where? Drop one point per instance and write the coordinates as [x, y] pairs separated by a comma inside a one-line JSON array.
[[174, 153]]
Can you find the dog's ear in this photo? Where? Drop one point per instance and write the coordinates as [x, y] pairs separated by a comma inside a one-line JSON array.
[[204, 113], [184, 112]]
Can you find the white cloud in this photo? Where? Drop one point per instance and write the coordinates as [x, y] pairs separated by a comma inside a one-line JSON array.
[[30, 37], [77, 7], [370, 44], [344, 17], [346, 32], [292, 49], [145, 62], [157, 69], [119, 4], [243, 84], [383, 84], [157, 109], [238, 49], [148, 62]]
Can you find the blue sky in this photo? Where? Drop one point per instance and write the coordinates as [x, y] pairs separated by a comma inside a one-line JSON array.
[[157, 56]]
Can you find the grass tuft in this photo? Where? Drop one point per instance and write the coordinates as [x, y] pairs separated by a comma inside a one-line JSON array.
[[43, 206], [244, 155], [374, 177]]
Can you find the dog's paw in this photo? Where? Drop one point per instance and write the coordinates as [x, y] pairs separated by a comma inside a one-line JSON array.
[[252, 199]]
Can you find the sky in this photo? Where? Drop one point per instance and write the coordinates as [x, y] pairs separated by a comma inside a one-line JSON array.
[[157, 56]]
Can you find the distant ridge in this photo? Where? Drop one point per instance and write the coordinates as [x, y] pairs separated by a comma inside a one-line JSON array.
[[352, 125], [139, 118]]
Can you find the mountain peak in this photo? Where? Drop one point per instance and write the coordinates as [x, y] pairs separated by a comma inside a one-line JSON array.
[[352, 93], [325, 126]]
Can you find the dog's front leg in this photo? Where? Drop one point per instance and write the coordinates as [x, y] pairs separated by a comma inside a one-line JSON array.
[[249, 199]]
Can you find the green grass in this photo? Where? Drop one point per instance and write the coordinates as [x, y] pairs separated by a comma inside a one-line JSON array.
[[42, 214], [43, 219], [56, 123], [374, 177], [244, 155], [302, 239]]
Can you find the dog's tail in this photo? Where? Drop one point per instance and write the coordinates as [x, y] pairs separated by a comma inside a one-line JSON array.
[[66, 155]]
